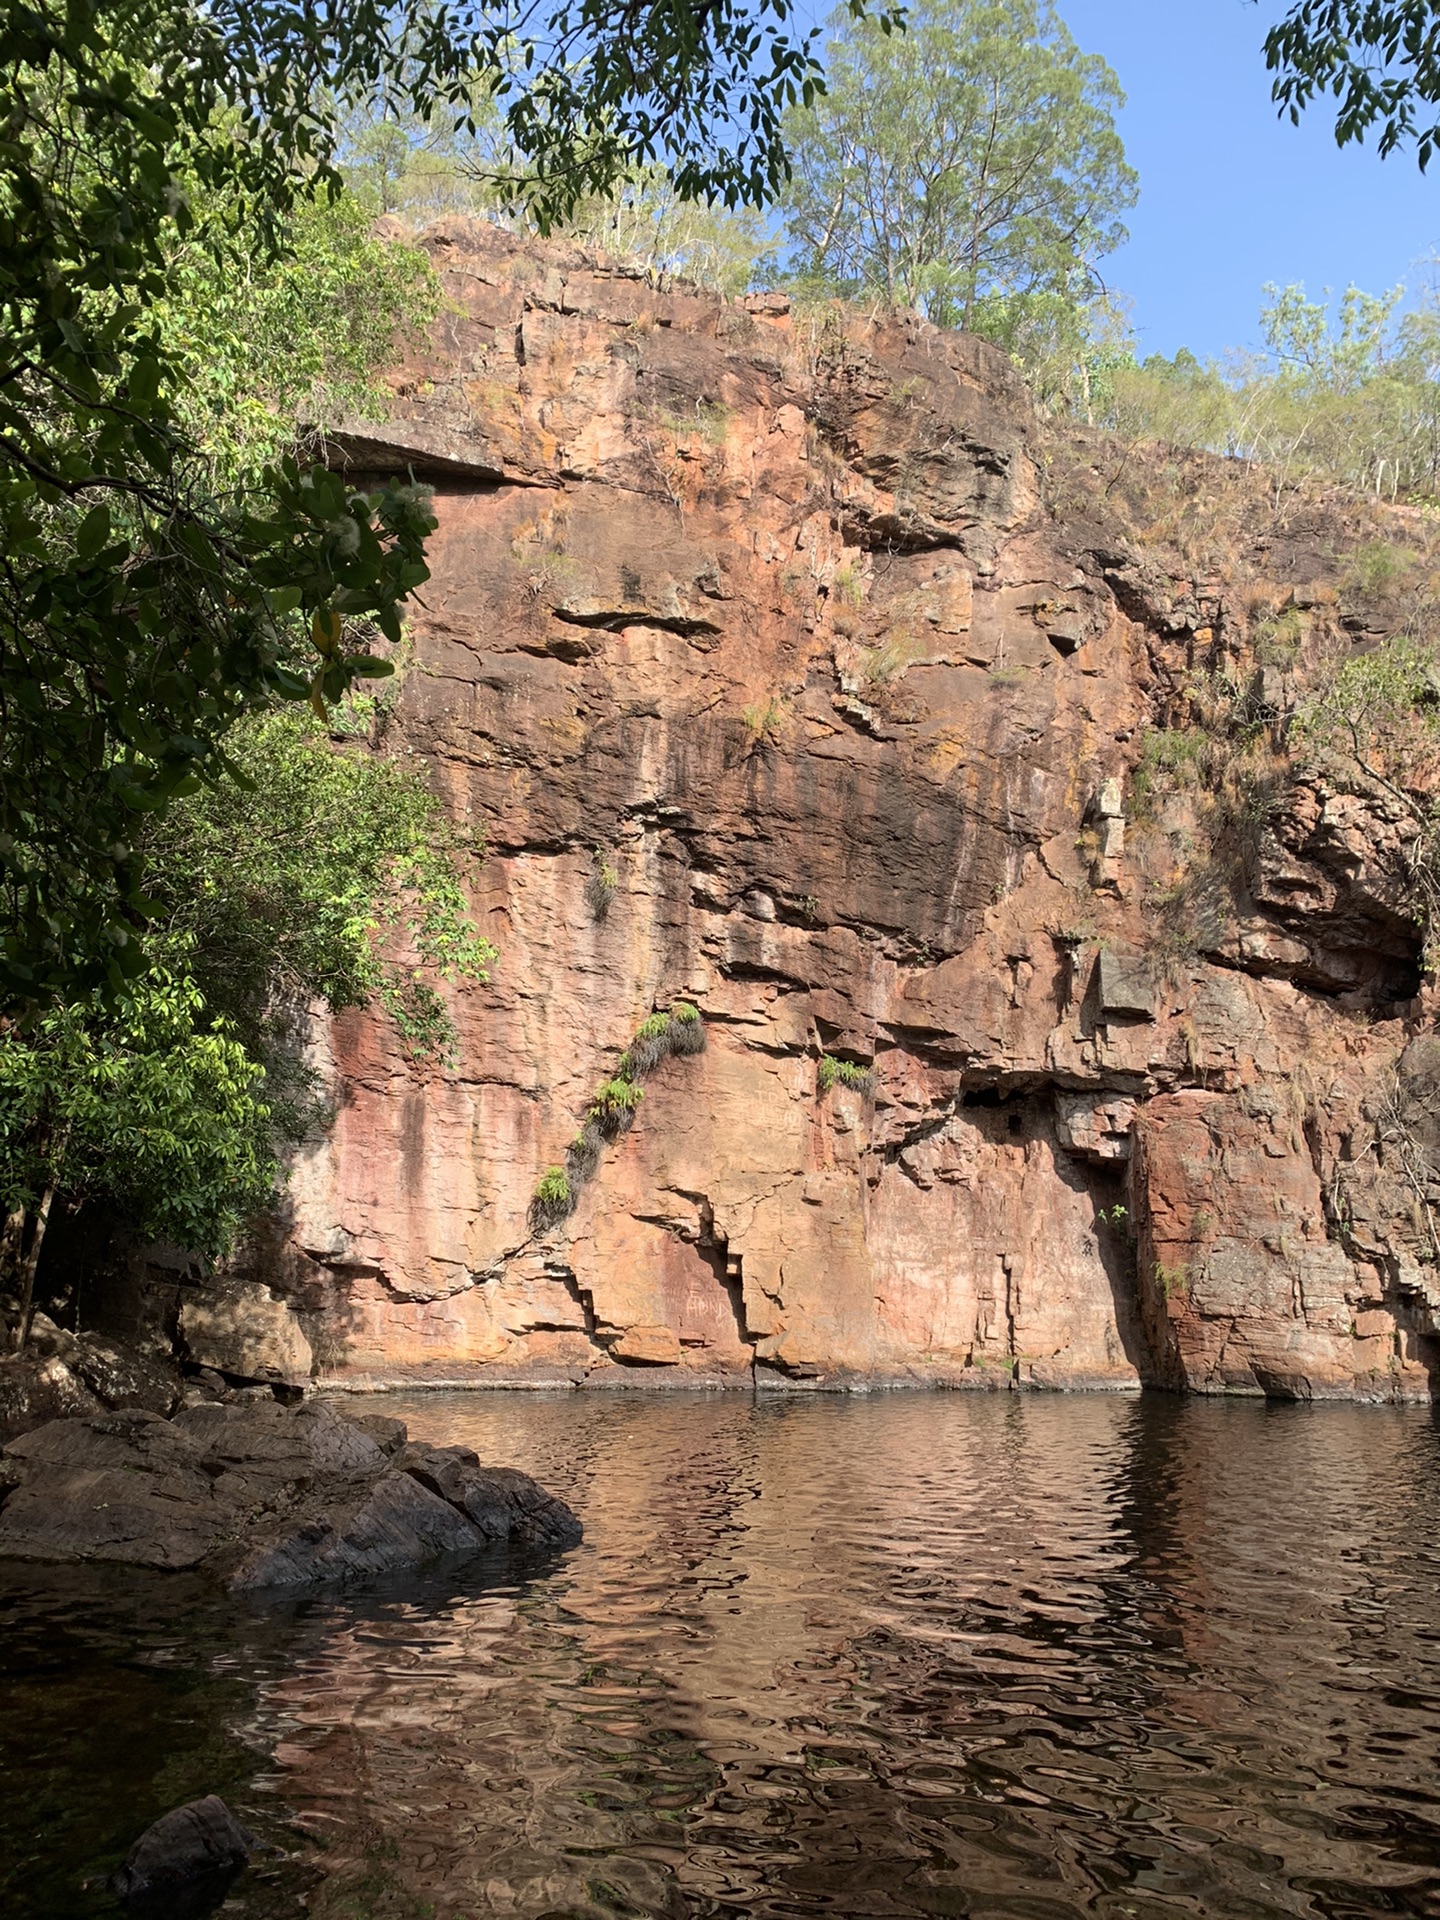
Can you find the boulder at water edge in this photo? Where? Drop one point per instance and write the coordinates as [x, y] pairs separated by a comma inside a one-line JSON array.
[[260, 1496]]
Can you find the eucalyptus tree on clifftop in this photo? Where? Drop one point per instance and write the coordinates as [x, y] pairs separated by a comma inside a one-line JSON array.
[[966, 167]]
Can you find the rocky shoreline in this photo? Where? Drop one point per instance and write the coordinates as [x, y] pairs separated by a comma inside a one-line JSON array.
[[261, 1496]]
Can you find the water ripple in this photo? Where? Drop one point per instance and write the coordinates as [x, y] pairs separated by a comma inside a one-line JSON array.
[[1020, 1659]]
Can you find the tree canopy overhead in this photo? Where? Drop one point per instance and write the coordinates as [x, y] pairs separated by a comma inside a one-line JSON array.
[[146, 600], [1378, 59], [970, 161]]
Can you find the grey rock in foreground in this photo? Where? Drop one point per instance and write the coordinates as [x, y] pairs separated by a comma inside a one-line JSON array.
[[261, 1496], [184, 1857]]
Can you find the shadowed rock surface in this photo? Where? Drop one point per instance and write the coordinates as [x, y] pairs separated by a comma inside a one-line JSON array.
[[184, 1863], [260, 1496]]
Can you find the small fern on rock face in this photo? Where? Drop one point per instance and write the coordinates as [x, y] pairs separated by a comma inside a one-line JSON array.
[[650, 1045], [686, 1028], [612, 1111], [553, 1199], [613, 1108], [843, 1073], [601, 887], [582, 1156]]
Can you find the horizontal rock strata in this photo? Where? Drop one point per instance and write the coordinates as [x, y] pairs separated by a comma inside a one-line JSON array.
[[789, 676]]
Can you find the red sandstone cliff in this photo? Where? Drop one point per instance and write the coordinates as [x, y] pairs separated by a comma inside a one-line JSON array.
[[805, 632]]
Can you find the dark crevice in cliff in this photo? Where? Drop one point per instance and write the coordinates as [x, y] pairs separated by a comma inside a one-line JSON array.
[[616, 619]]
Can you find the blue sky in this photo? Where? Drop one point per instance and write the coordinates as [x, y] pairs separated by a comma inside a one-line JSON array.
[[1231, 197]]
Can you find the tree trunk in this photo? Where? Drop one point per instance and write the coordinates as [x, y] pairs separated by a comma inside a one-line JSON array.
[[59, 1141], [27, 1271]]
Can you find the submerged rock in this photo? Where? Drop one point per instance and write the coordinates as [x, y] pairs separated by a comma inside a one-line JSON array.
[[187, 1859], [260, 1496]]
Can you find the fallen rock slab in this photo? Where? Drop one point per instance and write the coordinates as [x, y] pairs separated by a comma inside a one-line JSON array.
[[184, 1859], [260, 1496]]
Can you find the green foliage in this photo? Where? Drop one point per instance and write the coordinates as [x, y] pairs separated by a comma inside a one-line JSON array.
[[1378, 719], [615, 1103], [843, 1073], [647, 221], [613, 1109], [322, 872], [849, 586], [552, 1200], [972, 159], [601, 887], [1382, 704], [1379, 59], [1352, 393], [582, 1156], [1276, 639], [142, 612], [1173, 1282], [141, 1103], [685, 1033], [265, 356], [160, 180], [766, 720], [1376, 569], [318, 874]]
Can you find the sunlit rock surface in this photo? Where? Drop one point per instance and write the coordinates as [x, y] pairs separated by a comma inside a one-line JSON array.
[[795, 624]]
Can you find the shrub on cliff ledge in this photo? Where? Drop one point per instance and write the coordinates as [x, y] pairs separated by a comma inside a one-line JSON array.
[[843, 1073], [553, 1200]]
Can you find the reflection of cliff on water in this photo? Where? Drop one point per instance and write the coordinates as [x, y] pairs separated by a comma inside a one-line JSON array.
[[909, 1655], [904, 1656]]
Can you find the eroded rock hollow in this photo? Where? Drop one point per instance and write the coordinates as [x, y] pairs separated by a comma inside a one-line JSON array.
[[795, 677]]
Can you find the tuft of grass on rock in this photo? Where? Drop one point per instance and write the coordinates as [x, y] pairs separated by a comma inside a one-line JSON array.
[[843, 1073], [553, 1199]]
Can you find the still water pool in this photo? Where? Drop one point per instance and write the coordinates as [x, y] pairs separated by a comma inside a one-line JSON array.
[[911, 1655]]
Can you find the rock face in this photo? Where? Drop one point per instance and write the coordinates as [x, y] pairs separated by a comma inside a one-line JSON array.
[[246, 1333], [62, 1375], [793, 674], [261, 1496]]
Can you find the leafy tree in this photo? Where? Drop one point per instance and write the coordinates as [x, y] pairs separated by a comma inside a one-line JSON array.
[[969, 167], [399, 165], [1353, 393], [143, 610], [327, 873], [138, 1102], [1378, 59], [647, 221], [267, 353]]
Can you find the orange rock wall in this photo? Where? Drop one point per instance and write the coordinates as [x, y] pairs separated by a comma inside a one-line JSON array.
[[774, 617]]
